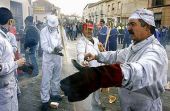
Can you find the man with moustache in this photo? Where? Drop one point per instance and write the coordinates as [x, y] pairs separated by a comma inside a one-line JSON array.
[[139, 70]]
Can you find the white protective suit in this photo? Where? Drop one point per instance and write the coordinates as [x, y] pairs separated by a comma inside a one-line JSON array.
[[8, 86], [144, 67], [91, 103], [51, 64], [12, 40]]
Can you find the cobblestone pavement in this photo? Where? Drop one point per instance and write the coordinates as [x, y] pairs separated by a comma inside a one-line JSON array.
[[30, 88]]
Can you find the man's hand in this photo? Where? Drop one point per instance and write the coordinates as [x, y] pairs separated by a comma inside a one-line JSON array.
[[85, 63], [57, 50], [89, 57], [21, 62]]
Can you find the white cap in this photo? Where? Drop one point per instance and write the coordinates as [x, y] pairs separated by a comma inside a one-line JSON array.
[[145, 15], [52, 20]]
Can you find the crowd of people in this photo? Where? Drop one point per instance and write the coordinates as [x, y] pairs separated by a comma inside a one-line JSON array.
[[163, 35], [73, 30], [116, 34], [101, 31], [139, 69]]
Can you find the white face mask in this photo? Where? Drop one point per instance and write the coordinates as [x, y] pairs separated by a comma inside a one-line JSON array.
[[52, 29]]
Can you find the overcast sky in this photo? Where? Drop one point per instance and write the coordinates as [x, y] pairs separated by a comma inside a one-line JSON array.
[[72, 6]]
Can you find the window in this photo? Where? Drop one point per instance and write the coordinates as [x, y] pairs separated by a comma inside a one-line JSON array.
[[16, 9], [119, 5], [108, 8], [158, 18], [118, 19], [157, 2], [101, 12], [112, 6]]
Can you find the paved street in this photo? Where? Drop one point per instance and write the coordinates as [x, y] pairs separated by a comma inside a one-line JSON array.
[[30, 87]]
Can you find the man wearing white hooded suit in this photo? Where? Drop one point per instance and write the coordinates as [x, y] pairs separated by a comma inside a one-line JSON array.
[[51, 62]]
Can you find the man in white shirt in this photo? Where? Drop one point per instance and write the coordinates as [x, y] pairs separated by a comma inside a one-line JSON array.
[[88, 44], [139, 70]]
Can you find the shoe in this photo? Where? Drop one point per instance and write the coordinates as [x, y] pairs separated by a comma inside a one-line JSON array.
[[44, 106], [56, 98]]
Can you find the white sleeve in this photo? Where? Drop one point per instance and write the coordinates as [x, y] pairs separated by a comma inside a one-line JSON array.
[[14, 43], [12, 40], [7, 67], [44, 42], [80, 50], [150, 69], [110, 57]]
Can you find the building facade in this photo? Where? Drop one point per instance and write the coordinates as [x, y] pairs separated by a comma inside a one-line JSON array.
[[116, 11], [42, 8], [95, 11], [20, 9], [5, 3], [161, 9], [129, 6]]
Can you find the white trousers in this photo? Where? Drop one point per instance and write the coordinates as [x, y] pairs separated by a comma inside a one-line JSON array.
[[51, 76], [91, 103]]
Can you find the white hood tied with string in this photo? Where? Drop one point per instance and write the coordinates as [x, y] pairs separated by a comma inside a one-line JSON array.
[[145, 15], [52, 20]]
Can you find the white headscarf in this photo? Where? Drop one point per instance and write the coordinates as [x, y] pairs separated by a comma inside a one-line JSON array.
[[145, 15]]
